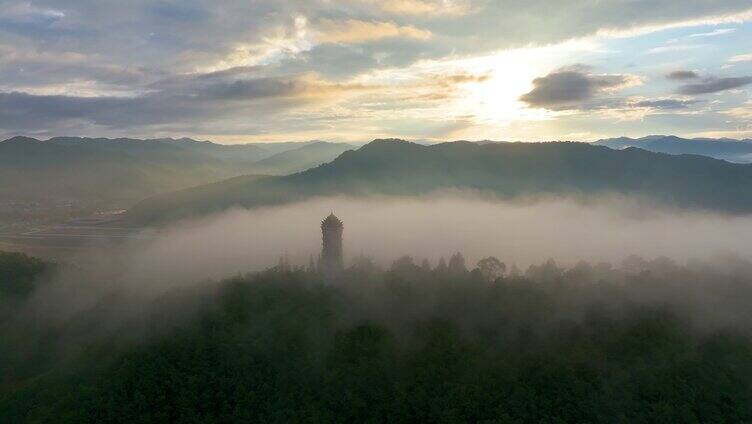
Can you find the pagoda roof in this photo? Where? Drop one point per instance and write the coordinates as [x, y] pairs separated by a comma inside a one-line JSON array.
[[331, 221]]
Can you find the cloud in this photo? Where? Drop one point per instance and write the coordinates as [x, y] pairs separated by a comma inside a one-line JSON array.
[[664, 104], [741, 58], [129, 49], [743, 112], [675, 48], [194, 34], [682, 75], [460, 78], [184, 101], [25, 12], [417, 7], [715, 32], [714, 85], [355, 31], [574, 88], [253, 89]]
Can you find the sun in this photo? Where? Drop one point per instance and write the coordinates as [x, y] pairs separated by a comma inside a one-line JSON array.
[[494, 102]]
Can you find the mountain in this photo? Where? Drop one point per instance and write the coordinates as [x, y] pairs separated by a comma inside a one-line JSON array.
[[234, 153], [739, 151], [282, 146], [394, 167], [308, 156], [101, 173], [111, 172]]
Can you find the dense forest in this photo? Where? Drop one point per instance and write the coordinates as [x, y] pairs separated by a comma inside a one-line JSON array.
[[645, 341]]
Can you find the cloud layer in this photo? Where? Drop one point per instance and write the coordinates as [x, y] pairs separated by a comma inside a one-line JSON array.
[[252, 68]]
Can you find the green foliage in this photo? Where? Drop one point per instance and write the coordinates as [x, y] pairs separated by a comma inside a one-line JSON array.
[[491, 268], [412, 345], [19, 272]]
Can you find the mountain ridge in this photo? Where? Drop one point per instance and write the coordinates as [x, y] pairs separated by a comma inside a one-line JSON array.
[[103, 173], [509, 170], [732, 150]]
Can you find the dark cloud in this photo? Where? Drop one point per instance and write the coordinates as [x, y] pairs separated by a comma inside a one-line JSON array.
[[715, 85], [682, 75], [572, 88], [577, 88], [253, 89], [24, 111], [222, 98]]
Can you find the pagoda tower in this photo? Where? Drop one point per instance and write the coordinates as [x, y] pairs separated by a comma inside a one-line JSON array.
[[331, 262]]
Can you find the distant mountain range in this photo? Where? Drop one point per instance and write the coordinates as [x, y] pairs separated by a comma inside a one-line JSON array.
[[118, 172], [394, 167], [739, 151], [300, 158]]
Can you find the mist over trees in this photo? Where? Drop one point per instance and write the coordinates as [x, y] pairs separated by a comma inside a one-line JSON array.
[[641, 341], [19, 273]]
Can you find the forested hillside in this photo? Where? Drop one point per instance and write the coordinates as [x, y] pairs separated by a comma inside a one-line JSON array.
[[411, 344], [93, 174], [510, 170]]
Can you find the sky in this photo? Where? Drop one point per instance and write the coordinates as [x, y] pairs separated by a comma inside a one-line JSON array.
[[235, 71]]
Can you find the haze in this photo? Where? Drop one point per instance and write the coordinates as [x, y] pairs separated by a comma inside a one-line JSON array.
[[384, 229]]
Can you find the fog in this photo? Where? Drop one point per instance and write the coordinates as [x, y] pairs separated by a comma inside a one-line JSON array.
[[191, 254], [163, 279], [522, 233]]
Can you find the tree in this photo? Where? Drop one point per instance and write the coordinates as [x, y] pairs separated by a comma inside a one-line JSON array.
[[405, 267], [311, 266], [425, 265], [491, 268], [515, 272], [19, 273], [441, 268], [547, 272], [457, 264]]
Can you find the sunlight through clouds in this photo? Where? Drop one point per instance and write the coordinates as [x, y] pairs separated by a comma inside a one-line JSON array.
[[356, 70]]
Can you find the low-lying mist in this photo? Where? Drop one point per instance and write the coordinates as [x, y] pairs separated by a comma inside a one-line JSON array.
[[522, 233], [190, 253]]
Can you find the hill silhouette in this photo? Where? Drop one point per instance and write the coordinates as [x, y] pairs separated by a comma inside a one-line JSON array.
[[102, 172], [739, 151], [307, 156], [394, 167], [107, 173]]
